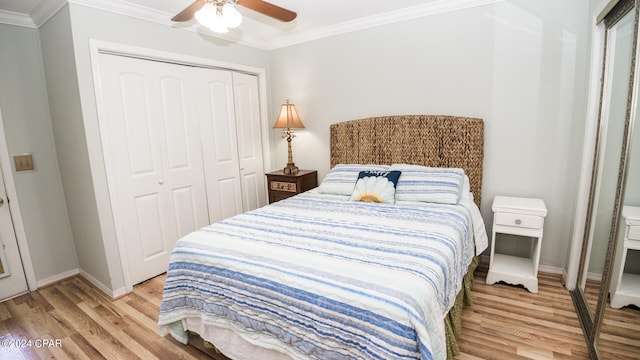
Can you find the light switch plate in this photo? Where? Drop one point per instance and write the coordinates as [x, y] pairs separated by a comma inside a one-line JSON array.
[[23, 162]]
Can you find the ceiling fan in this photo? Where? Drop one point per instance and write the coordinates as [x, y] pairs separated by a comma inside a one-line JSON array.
[[220, 15]]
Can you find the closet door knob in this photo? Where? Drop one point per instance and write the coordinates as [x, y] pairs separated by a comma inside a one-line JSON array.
[[1, 201]]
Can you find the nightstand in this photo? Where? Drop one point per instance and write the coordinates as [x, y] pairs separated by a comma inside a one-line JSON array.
[[625, 286], [524, 219], [282, 186]]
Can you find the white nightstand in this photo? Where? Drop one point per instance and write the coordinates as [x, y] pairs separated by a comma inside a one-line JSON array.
[[523, 217], [625, 287]]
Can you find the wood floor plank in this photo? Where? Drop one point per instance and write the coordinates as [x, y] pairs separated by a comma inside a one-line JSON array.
[[70, 350], [151, 290], [85, 345], [114, 328], [505, 322], [533, 326], [136, 316]]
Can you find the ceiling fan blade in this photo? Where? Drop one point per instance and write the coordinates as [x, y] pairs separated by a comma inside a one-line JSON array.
[[187, 13], [269, 9]]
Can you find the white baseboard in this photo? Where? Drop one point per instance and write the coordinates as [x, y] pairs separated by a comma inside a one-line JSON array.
[[594, 276], [55, 278], [551, 269], [105, 289], [565, 277], [119, 292], [67, 274]]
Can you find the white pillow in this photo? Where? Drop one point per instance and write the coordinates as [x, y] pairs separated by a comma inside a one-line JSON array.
[[466, 193], [341, 180], [429, 184]]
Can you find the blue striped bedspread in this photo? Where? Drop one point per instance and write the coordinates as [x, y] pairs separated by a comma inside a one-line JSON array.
[[318, 277]]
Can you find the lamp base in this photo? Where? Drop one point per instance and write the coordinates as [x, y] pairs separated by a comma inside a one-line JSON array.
[[290, 169]]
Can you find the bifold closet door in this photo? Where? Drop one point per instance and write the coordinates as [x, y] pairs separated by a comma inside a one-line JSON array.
[[247, 106], [231, 140], [150, 128]]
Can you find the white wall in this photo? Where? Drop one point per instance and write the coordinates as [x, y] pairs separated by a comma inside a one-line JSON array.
[[66, 117], [23, 99], [520, 65]]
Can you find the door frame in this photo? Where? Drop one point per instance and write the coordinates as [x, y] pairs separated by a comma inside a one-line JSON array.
[[14, 209], [97, 47]]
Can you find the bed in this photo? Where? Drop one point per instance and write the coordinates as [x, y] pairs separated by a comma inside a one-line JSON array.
[[320, 276]]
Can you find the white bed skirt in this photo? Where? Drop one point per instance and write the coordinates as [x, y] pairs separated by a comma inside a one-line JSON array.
[[231, 344]]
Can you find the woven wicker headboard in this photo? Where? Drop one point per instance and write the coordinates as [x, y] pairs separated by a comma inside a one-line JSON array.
[[430, 140]]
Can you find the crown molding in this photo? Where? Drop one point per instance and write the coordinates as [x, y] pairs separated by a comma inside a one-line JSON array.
[[414, 12], [126, 8], [13, 18], [48, 8]]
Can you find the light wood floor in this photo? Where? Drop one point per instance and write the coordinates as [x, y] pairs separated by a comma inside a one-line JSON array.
[[74, 320], [620, 331]]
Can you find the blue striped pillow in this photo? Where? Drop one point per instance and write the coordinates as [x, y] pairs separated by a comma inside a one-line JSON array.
[[428, 184], [341, 180]]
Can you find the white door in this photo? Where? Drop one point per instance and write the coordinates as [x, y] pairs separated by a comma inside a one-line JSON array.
[[232, 142], [151, 133], [219, 142], [12, 278], [247, 106]]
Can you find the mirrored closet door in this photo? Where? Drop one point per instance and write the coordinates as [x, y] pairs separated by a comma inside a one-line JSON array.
[[619, 332], [609, 263]]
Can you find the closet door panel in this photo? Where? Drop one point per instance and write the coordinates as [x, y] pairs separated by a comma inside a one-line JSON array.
[[222, 122], [149, 224], [134, 162], [219, 142], [229, 204], [252, 186], [185, 210], [148, 123], [183, 169], [135, 127], [176, 123], [247, 107]]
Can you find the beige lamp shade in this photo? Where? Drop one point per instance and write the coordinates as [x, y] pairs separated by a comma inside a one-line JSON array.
[[288, 118]]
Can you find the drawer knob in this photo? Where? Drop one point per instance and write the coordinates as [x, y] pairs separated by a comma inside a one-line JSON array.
[[518, 221]]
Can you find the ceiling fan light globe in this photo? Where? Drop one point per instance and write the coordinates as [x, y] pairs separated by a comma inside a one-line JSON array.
[[206, 15], [218, 25], [232, 17]]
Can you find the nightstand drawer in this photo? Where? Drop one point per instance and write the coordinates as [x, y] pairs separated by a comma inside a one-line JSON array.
[[634, 233], [284, 186], [519, 220]]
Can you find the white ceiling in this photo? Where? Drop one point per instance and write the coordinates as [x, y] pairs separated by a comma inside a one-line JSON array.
[[316, 18]]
